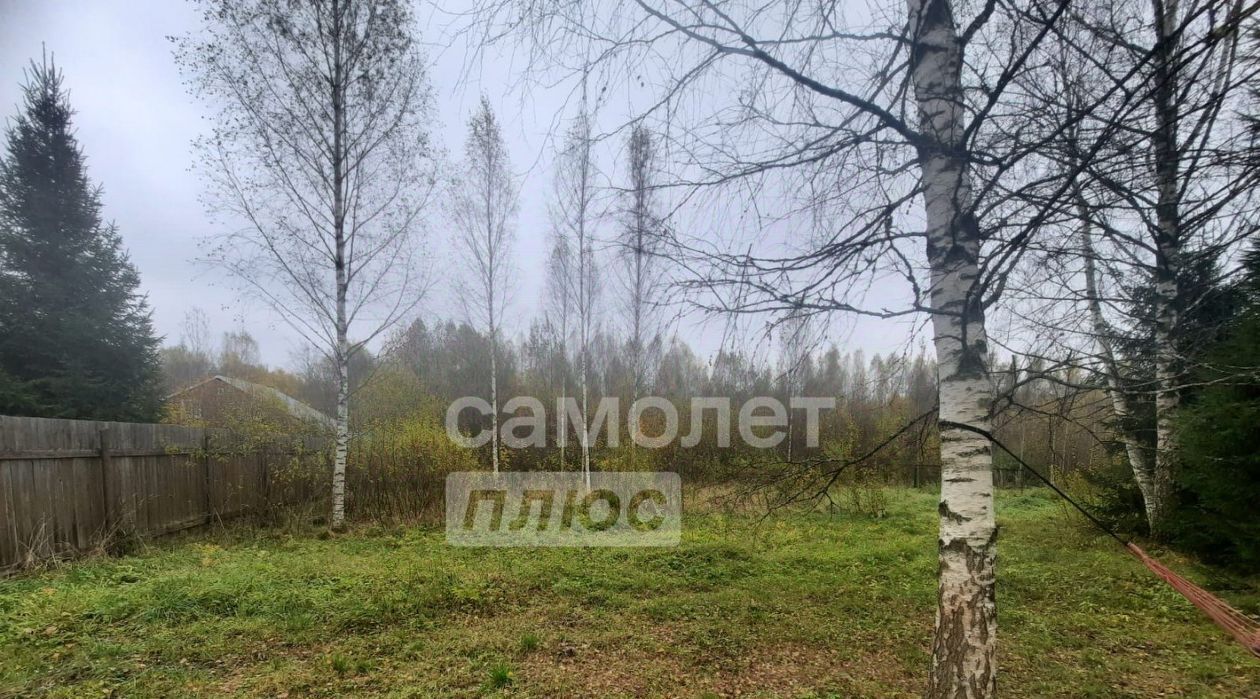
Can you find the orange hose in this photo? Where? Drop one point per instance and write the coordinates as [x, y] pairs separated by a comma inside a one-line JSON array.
[[1243, 628]]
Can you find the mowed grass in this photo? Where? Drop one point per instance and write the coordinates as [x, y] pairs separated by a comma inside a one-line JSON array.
[[799, 605]]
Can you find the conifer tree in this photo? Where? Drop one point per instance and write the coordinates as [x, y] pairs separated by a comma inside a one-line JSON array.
[[76, 336]]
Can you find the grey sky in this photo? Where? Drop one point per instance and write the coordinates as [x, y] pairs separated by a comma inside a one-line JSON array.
[[136, 121]]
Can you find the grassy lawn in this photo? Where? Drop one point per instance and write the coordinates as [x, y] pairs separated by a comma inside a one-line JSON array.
[[796, 606]]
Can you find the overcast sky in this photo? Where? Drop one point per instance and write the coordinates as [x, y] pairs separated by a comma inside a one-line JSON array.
[[136, 121]]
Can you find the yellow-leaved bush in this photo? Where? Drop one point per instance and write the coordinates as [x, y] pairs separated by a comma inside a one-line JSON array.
[[399, 451]]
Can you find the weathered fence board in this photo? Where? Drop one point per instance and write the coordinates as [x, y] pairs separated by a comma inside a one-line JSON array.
[[67, 485]]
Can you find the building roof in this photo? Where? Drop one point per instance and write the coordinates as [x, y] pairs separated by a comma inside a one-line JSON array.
[[295, 407]]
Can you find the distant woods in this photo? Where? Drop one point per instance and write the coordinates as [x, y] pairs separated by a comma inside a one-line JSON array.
[[76, 336], [423, 367]]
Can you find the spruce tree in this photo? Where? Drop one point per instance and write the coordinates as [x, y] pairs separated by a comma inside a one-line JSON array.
[[76, 336]]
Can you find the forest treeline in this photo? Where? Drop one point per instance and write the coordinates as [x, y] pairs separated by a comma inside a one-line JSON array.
[[426, 366]]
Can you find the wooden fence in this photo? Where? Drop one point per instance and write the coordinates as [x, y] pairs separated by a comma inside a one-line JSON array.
[[68, 485]]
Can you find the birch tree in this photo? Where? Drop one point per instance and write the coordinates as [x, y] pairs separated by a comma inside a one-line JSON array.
[[320, 163], [483, 209], [797, 340], [559, 302], [574, 216], [639, 249]]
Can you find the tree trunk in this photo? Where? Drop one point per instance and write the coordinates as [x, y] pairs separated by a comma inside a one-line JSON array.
[[343, 433], [585, 302], [1168, 259], [586, 427], [1023, 440], [494, 399], [1120, 404], [965, 643], [492, 254], [342, 354], [789, 423], [1167, 400], [562, 425]]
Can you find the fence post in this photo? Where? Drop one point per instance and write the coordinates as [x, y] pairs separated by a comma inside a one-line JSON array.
[[106, 462]]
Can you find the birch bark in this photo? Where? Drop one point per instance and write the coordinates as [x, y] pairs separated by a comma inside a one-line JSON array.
[[1168, 258], [965, 641], [1120, 403], [342, 355]]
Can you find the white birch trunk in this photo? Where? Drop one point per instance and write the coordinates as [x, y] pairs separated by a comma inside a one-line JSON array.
[[789, 423], [1168, 259], [965, 642], [342, 354], [492, 271], [1121, 408], [585, 288], [586, 427], [494, 399], [585, 320], [1166, 403], [343, 436], [1167, 396], [562, 421], [638, 302]]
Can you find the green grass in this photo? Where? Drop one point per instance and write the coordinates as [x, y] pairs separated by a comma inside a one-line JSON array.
[[801, 605]]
